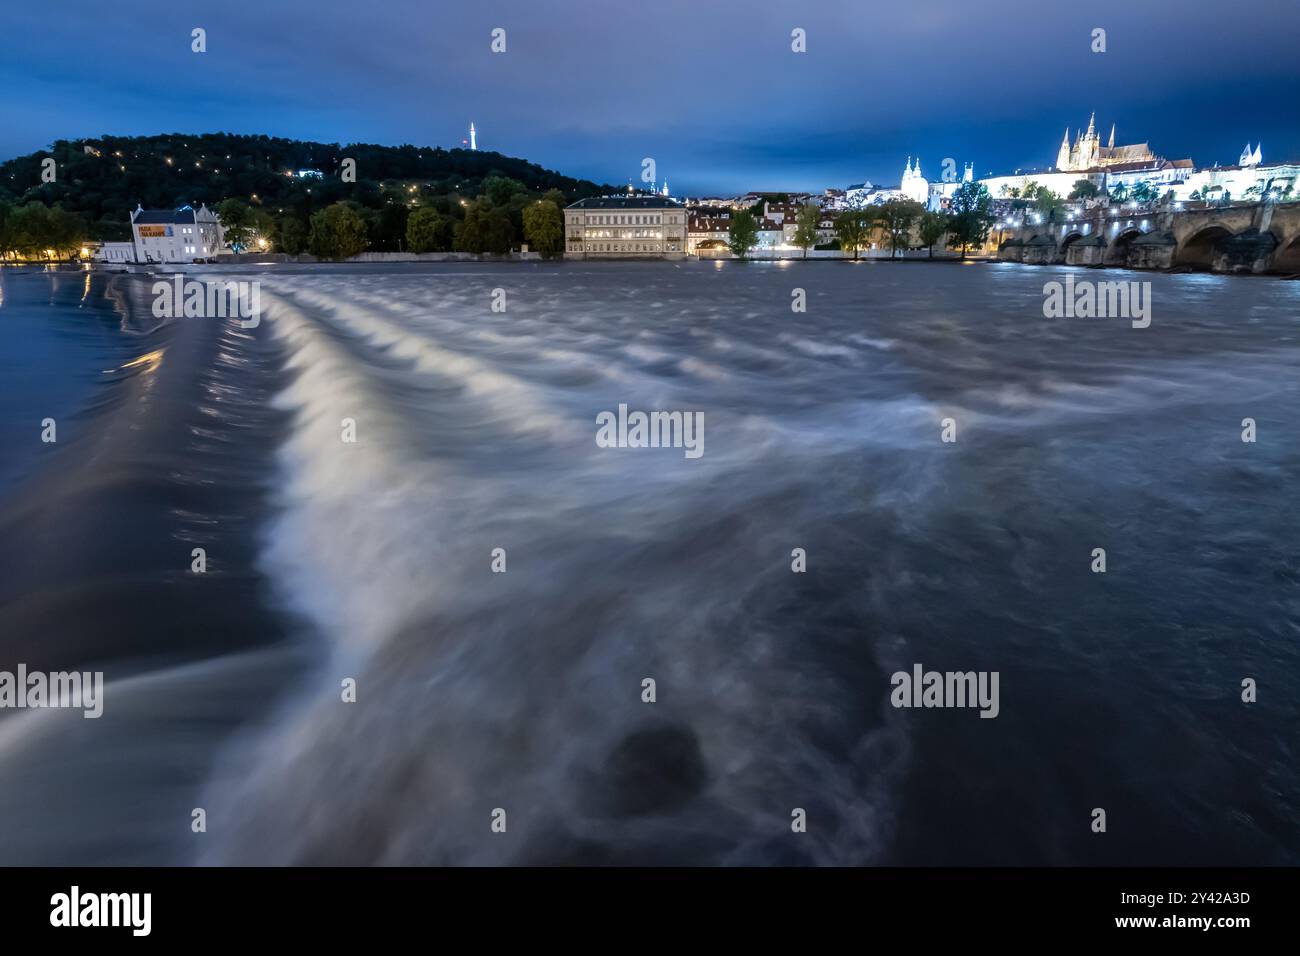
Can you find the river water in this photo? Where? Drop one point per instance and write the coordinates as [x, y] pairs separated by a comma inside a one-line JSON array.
[[371, 561]]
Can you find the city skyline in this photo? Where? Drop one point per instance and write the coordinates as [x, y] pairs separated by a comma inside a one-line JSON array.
[[722, 103]]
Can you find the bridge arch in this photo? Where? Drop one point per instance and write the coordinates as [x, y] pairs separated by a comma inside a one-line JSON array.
[[1198, 249], [1117, 250], [1287, 259]]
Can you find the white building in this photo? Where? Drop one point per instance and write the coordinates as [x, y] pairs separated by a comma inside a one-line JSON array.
[[861, 195], [176, 235], [610, 227], [708, 233], [119, 252], [771, 234], [915, 186]]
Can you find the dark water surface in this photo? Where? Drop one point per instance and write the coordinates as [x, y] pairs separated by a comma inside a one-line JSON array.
[[522, 691]]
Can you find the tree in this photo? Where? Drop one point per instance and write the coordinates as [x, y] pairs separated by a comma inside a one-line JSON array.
[[263, 228], [1143, 193], [1084, 189], [237, 222], [971, 217], [337, 232], [427, 230], [897, 219], [28, 229], [6, 240], [387, 226], [544, 228], [290, 235], [852, 227], [805, 226], [1043, 199], [743, 235], [1119, 193], [67, 232], [933, 227], [1025, 195], [500, 189], [499, 230], [485, 228], [469, 233], [37, 231]]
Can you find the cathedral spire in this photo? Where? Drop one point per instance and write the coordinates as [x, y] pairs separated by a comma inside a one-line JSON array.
[[1092, 125], [1111, 144]]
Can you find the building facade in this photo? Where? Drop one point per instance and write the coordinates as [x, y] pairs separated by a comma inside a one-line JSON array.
[[118, 252], [623, 227], [707, 234], [176, 235]]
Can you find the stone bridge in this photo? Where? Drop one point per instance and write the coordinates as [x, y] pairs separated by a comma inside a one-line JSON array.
[[1241, 238]]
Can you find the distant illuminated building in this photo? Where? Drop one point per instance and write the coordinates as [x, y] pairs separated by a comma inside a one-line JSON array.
[[915, 186], [177, 235], [1087, 153], [625, 227]]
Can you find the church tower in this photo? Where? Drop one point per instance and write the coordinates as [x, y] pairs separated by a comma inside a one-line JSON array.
[[914, 185], [1063, 161], [1090, 148]]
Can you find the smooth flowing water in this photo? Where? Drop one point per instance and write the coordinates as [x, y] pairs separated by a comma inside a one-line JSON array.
[[372, 560]]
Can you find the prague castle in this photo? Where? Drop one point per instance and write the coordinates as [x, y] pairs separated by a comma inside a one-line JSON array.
[[1087, 153]]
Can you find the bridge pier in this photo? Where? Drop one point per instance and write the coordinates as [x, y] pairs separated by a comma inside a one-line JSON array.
[[1248, 253], [1154, 250], [1088, 251]]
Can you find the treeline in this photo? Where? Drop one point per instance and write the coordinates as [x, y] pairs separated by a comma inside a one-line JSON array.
[[100, 186], [900, 224], [500, 218], [34, 231]]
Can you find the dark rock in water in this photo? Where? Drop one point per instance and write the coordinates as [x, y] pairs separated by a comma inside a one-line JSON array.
[[652, 770]]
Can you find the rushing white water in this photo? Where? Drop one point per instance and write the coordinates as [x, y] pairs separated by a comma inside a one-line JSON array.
[[522, 691], [476, 430], [477, 690]]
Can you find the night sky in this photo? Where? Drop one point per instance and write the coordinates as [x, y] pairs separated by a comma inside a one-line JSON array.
[[709, 88]]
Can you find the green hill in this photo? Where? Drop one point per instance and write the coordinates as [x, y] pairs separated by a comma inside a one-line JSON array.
[[101, 186]]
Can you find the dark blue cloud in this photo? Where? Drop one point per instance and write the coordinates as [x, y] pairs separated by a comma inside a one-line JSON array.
[[710, 90]]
